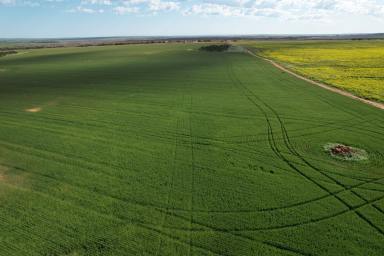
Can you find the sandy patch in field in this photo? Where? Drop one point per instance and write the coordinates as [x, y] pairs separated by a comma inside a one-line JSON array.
[[46, 104], [33, 110], [3, 170], [52, 102], [13, 177]]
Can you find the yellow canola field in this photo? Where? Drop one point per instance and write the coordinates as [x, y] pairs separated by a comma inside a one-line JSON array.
[[355, 66]]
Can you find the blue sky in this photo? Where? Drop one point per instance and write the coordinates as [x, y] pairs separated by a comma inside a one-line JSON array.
[[83, 18]]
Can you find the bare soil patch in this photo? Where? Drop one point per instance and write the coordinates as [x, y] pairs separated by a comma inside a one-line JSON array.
[[3, 170], [33, 110]]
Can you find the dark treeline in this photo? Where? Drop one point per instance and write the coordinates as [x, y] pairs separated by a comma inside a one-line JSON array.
[[88, 43], [215, 48], [4, 53]]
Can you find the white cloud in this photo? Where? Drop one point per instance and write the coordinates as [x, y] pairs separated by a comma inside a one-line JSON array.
[[125, 9], [283, 9], [7, 2], [154, 6], [157, 5], [134, 2], [100, 2], [288, 9], [82, 9], [215, 9]]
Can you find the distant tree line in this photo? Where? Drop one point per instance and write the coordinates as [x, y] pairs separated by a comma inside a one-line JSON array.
[[3, 53], [90, 42], [215, 48]]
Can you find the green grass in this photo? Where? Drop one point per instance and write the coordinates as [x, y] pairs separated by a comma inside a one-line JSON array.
[[168, 150], [355, 66]]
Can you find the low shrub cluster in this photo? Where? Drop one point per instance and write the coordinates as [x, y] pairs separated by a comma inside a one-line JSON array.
[[215, 48], [344, 152]]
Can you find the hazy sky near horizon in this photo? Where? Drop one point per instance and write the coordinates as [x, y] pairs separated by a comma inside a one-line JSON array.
[[86, 18]]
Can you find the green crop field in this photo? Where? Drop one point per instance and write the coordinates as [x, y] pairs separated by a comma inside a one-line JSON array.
[[355, 66], [163, 149]]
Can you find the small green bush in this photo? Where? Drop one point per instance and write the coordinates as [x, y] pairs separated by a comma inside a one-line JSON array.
[[215, 48]]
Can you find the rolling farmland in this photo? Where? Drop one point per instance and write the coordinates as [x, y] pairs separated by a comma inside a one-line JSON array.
[[355, 66], [163, 149]]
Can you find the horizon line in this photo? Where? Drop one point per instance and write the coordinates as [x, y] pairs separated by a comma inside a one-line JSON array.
[[199, 36]]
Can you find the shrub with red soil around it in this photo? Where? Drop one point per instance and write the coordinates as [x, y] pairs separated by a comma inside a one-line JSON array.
[[344, 152]]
